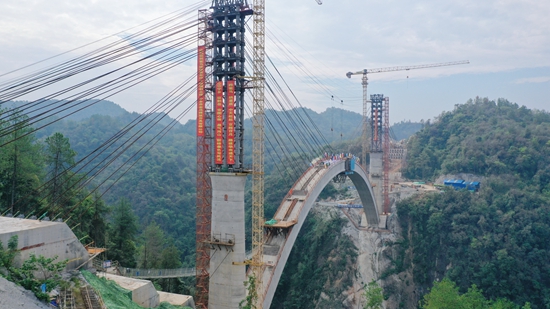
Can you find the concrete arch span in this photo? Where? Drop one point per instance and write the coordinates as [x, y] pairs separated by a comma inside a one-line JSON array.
[[293, 210]]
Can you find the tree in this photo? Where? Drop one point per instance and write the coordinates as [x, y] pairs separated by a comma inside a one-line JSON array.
[[20, 164], [374, 296], [474, 299], [25, 275], [59, 158], [151, 250], [170, 258], [444, 294], [122, 235], [91, 214], [8, 255], [45, 267]]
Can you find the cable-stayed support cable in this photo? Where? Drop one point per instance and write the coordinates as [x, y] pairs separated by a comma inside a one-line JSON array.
[[158, 112], [164, 45], [105, 90], [294, 119], [124, 147], [163, 19]]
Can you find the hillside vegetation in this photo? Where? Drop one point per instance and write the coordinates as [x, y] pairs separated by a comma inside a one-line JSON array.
[[497, 238], [147, 218]]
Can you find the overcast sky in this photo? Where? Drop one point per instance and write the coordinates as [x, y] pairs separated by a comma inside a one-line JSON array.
[[506, 41]]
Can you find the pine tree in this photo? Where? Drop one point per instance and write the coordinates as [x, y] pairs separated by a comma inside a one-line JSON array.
[[374, 296], [59, 157], [151, 250], [20, 164], [122, 236]]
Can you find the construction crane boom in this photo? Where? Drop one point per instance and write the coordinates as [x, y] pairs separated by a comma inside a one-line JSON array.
[[406, 68], [319, 2]]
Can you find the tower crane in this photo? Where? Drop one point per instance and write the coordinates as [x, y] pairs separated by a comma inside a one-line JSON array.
[[364, 82]]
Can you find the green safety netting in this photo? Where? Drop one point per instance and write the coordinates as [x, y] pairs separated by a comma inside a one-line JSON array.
[[271, 222], [116, 297]]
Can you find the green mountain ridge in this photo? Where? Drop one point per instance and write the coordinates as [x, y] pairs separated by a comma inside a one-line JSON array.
[[161, 186], [496, 238]]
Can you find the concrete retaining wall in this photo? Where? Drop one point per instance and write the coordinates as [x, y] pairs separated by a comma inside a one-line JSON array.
[[177, 299], [45, 238], [143, 291]]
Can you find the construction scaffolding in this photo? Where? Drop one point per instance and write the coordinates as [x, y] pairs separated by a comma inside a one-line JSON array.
[[386, 156], [377, 124], [258, 147], [204, 159]]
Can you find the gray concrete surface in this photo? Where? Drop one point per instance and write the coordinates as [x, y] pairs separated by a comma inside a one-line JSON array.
[[143, 291], [176, 299], [45, 238], [376, 172], [227, 279]]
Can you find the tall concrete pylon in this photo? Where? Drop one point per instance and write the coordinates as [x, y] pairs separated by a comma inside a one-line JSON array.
[[375, 172], [227, 254]]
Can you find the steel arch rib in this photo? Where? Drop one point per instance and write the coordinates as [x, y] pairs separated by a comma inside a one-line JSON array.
[[307, 189]]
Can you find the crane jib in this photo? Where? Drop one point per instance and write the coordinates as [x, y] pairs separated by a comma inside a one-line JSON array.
[[406, 68]]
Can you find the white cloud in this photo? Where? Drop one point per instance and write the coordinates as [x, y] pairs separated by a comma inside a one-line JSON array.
[[329, 39], [540, 79]]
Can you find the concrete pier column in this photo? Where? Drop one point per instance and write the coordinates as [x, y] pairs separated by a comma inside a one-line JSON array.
[[376, 171], [227, 279]]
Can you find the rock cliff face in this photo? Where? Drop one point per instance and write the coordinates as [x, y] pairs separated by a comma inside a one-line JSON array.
[[335, 256], [380, 258]]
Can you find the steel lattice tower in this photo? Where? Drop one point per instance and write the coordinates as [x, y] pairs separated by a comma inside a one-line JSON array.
[[204, 158], [258, 145], [365, 135], [377, 122], [220, 118], [386, 156], [228, 28]]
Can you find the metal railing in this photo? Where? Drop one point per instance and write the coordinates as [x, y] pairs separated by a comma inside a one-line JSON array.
[[157, 273], [146, 273]]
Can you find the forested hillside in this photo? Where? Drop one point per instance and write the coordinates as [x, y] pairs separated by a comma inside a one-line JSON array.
[[160, 187], [497, 238], [147, 217], [404, 129]]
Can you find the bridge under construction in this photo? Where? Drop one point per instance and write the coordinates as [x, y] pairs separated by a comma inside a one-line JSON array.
[[221, 262], [224, 83]]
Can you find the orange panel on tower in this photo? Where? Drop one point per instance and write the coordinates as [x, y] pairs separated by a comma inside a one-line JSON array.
[[230, 116], [218, 141], [201, 92]]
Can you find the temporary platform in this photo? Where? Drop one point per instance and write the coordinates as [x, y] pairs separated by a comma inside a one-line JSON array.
[[282, 224]]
